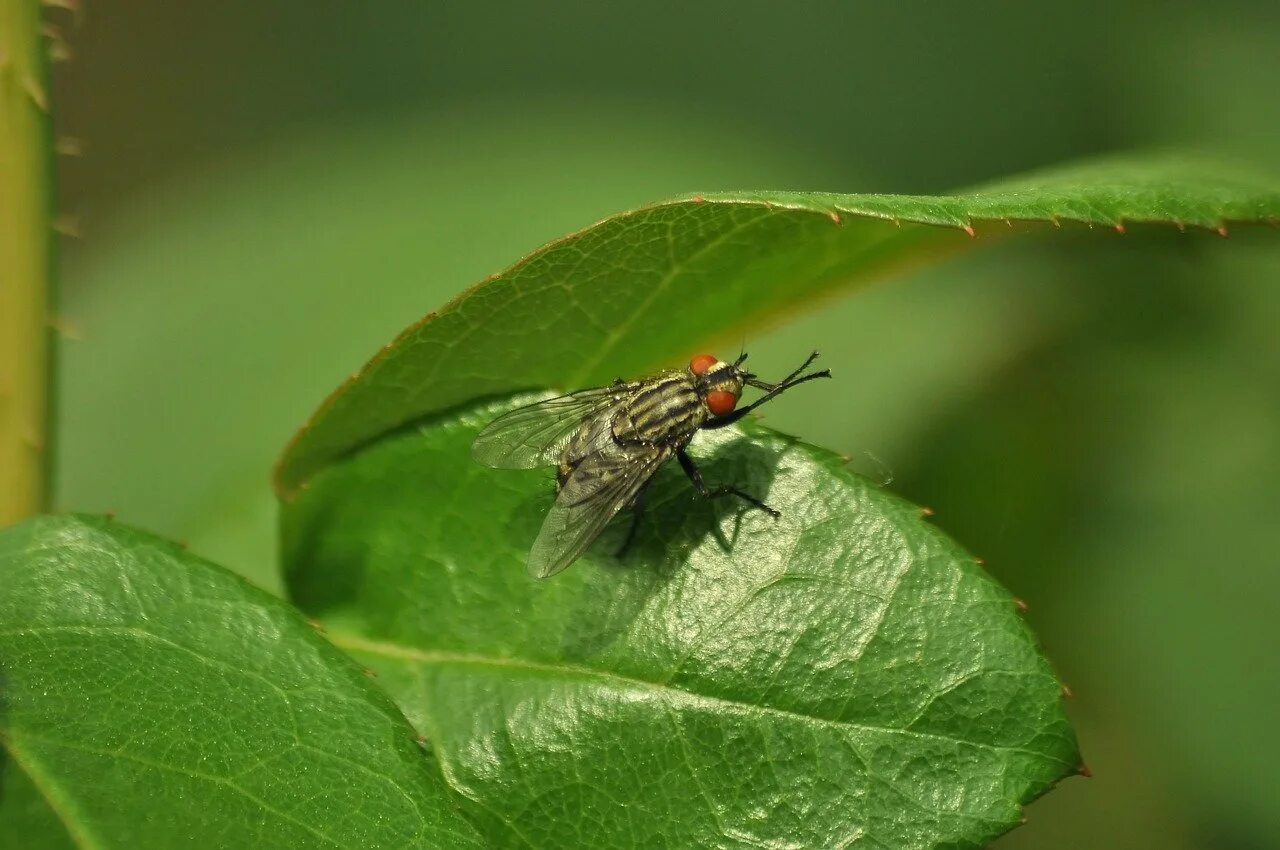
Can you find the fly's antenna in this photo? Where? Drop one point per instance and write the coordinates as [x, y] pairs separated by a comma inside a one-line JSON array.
[[791, 380], [741, 359]]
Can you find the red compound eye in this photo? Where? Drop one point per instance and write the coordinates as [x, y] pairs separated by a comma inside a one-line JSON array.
[[700, 364], [721, 403]]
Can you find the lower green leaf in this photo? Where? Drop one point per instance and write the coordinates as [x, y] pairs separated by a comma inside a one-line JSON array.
[[843, 674], [151, 699]]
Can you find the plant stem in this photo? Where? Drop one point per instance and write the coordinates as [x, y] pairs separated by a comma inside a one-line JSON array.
[[26, 261]]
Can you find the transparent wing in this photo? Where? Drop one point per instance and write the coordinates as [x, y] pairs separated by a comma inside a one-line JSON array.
[[601, 485], [535, 435]]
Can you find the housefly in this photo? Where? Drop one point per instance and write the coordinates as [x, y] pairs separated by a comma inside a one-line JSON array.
[[608, 442]]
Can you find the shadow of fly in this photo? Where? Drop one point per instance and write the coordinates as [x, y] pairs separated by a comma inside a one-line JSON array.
[[608, 442]]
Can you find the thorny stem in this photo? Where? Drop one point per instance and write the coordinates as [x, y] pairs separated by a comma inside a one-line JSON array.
[[26, 261]]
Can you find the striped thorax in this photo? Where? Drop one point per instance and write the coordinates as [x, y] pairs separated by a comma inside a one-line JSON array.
[[661, 412]]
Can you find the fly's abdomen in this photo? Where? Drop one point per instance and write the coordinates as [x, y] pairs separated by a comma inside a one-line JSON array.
[[666, 411]]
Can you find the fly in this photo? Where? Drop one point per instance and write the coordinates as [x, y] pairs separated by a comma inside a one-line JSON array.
[[608, 442]]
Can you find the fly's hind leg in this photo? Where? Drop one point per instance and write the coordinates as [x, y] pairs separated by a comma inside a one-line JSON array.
[[695, 475], [637, 514]]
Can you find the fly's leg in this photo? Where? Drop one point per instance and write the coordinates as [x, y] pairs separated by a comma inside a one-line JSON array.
[[637, 514], [771, 390], [695, 475]]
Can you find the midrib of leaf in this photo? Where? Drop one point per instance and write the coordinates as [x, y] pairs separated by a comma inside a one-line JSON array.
[[590, 364], [58, 802], [204, 777], [400, 652]]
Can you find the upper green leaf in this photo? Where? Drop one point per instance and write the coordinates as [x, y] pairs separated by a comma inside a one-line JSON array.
[[150, 699], [845, 673], [645, 287]]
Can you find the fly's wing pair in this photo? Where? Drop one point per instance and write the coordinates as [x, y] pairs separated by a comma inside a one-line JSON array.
[[536, 434], [603, 483]]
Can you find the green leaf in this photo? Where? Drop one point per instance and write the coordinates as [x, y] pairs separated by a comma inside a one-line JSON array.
[[151, 699], [843, 673], [646, 286]]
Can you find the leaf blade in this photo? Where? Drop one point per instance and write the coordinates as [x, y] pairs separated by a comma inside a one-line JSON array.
[[631, 291], [150, 697], [760, 688]]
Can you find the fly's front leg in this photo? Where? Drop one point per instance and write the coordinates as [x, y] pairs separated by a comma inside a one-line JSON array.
[[695, 475]]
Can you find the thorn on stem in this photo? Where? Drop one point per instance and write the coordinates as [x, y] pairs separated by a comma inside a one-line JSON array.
[[69, 146], [1021, 604], [35, 92], [1120, 228], [72, 6], [1084, 770], [834, 216], [1067, 693], [68, 226], [968, 228], [926, 511], [1222, 231], [65, 328]]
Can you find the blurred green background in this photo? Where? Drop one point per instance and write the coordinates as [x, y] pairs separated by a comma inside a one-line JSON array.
[[270, 191]]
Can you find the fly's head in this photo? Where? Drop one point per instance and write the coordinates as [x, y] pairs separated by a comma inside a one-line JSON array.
[[719, 383]]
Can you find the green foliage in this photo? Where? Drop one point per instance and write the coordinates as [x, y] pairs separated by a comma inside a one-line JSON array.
[[155, 700], [624, 295], [843, 672]]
